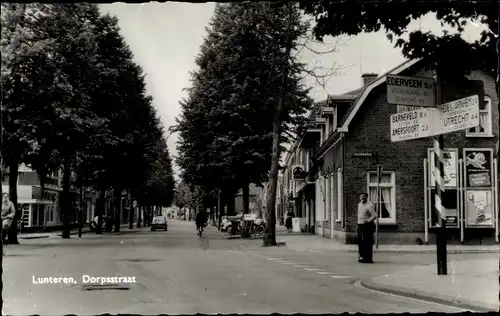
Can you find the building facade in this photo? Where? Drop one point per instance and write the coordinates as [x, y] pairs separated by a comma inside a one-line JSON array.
[[355, 140], [44, 211]]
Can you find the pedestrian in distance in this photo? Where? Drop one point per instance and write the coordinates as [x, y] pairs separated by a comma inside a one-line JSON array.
[[8, 213], [200, 220], [366, 228]]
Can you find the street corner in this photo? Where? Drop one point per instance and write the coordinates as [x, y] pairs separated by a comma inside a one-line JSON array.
[[395, 284]]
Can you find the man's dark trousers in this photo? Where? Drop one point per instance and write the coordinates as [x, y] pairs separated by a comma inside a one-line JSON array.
[[365, 241]]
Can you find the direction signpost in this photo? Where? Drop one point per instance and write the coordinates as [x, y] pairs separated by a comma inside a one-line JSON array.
[[432, 119], [446, 118]]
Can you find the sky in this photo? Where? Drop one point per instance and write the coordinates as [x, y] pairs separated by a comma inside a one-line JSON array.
[[165, 39]]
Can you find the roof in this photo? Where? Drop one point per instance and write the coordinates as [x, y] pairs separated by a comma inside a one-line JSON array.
[[363, 93]]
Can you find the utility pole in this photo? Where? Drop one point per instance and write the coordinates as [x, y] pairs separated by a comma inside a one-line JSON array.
[[440, 213]]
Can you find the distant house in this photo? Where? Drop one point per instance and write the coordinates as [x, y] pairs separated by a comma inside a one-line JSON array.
[[238, 200]]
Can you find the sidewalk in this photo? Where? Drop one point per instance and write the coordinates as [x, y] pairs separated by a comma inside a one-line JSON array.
[[316, 243], [58, 233], [471, 284]]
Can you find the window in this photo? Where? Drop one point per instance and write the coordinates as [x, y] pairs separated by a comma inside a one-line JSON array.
[[325, 197], [307, 160], [331, 194], [387, 212], [485, 122], [340, 196]]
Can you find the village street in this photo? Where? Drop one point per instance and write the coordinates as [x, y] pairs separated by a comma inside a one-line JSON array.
[[177, 272]]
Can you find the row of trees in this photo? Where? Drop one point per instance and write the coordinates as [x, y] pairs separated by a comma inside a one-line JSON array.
[[245, 101], [74, 99]]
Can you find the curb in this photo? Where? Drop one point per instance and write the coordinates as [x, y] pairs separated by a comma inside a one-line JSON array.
[[422, 251], [433, 251], [33, 237], [434, 298]]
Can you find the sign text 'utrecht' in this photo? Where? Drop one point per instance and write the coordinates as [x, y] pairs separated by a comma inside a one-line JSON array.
[[446, 118]]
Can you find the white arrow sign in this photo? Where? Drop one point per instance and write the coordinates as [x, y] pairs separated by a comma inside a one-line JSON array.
[[446, 118]]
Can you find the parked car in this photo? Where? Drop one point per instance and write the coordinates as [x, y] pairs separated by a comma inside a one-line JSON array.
[[159, 222]]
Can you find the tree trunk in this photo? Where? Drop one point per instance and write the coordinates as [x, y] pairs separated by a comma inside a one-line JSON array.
[[246, 210], [65, 199], [13, 175], [230, 203], [100, 210], [139, 216], [269, 238], [131, 215], [220, 209], [118, 208], [41, 207]]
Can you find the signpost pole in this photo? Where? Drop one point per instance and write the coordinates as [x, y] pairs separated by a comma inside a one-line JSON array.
[[440, 213]]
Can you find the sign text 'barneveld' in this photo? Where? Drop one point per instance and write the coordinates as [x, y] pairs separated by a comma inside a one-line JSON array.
[[446, 118]]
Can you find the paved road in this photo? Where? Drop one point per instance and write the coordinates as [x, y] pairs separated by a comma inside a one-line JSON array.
[[178, 273]]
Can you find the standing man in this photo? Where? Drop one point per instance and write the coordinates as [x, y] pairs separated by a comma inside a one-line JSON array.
[[8, 214], [366, 228]]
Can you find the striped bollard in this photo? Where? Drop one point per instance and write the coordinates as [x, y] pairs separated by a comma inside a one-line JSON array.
[[439, 210]]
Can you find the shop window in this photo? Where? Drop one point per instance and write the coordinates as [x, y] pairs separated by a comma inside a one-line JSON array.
[[387, 213], [485, 122]]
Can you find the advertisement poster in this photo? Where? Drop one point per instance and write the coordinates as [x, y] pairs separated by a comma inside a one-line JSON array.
[[450, 169], [478, 166], [479, 208]]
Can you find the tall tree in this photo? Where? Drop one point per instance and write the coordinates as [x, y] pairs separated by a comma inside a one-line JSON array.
[[29, 86], [231, 104], [76, 59]]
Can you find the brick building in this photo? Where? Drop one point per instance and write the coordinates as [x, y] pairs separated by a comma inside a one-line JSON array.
[[354, 137]]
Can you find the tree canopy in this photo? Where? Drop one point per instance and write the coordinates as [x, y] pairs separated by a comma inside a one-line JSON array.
[[73, 97], [226, 123], [336, 17]]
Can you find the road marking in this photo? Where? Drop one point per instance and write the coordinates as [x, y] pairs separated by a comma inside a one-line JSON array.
[[310, 269], [325, 273], [340, 277], [274, 259], [301, 266], [285, 262]]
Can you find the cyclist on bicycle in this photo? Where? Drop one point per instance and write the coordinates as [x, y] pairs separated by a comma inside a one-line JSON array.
[[201, 219]]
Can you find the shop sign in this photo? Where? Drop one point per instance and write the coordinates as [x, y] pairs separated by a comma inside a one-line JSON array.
[[299, 173], [479, 208], [411, 91], [478, 167], [450, 168]]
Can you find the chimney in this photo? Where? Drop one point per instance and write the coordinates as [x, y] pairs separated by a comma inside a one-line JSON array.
[[368, 78]]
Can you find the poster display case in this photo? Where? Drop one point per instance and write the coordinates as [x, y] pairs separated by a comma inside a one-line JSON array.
[[479, 187]]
